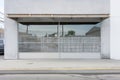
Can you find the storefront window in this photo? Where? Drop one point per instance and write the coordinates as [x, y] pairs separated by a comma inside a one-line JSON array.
[[59, 38]]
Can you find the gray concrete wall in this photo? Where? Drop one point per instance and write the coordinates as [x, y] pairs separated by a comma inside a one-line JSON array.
[[57, 6], [105, 39], [11, 40]]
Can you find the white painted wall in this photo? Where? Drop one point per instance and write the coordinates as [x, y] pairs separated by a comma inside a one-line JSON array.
[[115, 29], [57, 6], [11, 40], [105, 38]]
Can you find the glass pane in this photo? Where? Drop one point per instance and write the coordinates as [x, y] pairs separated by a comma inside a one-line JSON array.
[[79, 38], [80, 30], [65, 38], [38, 38]]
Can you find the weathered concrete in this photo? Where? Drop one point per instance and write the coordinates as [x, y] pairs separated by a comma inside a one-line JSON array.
[[59, 66], [60, 77]]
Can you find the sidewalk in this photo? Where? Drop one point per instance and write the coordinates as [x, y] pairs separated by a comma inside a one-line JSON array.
[[1, 57], [60, 66]]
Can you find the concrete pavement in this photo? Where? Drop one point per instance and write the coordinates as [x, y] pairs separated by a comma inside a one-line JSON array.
[[59, 77], [60, 66], [1, 57]]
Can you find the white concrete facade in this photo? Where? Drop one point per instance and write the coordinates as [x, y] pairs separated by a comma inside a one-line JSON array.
[[57, 7], [11, 39], [114, 30], [105, 38], [109, 26]]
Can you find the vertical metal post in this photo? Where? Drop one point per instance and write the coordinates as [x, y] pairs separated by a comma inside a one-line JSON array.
[[58, 30], [18, 39], [58, 39], [27, 29], [62, 31]]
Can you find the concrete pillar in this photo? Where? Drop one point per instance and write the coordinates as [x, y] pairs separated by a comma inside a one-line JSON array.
[[115, 30], [11, 39], [105, 39]]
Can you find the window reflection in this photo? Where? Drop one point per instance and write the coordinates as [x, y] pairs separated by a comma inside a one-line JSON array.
[[62, 38], [81, 30]]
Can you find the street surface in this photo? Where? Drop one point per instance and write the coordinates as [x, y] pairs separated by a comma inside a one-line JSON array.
[[59, 77]]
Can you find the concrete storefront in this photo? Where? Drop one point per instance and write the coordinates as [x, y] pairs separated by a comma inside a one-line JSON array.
[[59, 30]]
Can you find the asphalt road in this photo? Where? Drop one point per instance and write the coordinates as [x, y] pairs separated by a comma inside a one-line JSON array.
[[59, 77]]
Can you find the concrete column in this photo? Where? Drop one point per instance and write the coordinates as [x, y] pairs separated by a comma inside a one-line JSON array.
[[105, 39], [11, 39], [115, 30]]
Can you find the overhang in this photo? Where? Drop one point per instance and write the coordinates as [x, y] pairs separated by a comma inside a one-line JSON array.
[[56, 18]]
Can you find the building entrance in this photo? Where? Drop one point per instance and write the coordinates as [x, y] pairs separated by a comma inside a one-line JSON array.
[[59, 41]]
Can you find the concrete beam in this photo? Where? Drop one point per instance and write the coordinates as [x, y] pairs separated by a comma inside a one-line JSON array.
[[58, 15]]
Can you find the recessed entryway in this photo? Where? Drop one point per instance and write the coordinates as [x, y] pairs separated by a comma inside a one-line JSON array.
[[61, 40]]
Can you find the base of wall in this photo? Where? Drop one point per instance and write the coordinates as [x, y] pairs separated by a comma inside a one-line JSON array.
[[59, 56]]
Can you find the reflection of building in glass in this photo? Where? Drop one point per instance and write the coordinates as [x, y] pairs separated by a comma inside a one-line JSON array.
[[95, 31], [58, 40]]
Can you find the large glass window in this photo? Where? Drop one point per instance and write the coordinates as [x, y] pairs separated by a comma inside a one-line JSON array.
[[59, 38]]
